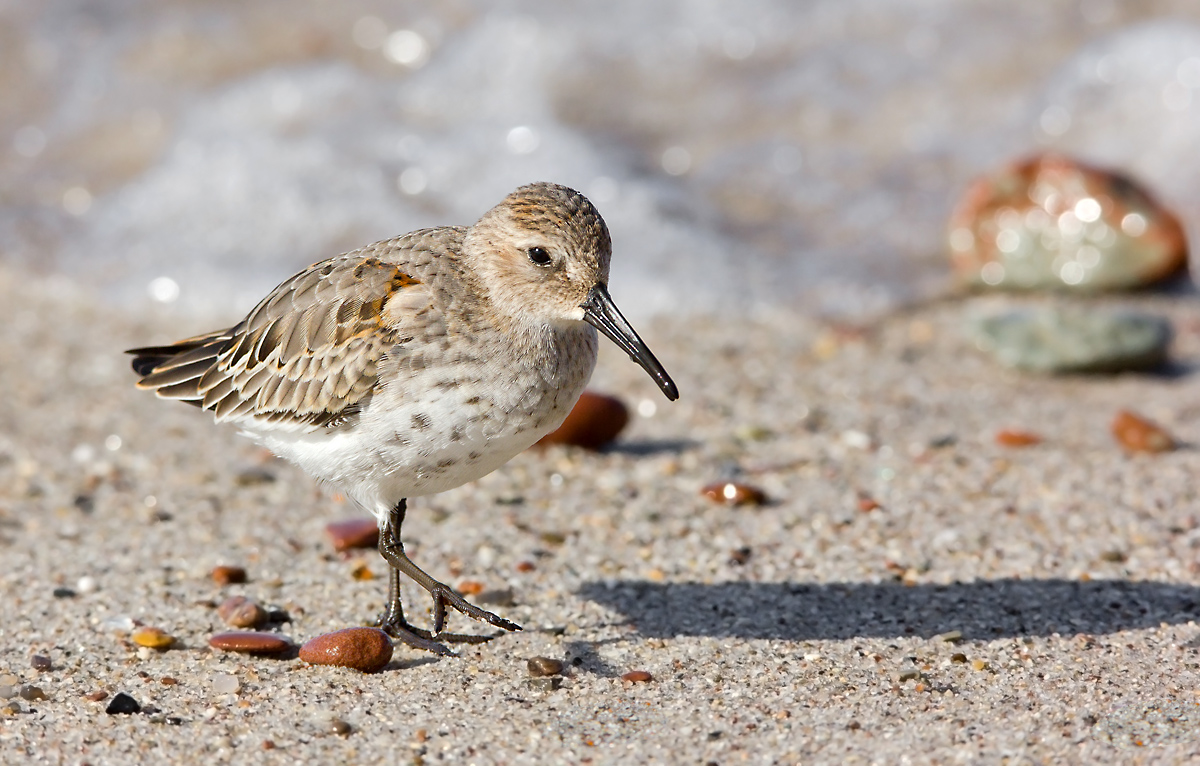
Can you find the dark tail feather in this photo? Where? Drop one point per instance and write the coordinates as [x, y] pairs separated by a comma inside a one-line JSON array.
[[161, 366]]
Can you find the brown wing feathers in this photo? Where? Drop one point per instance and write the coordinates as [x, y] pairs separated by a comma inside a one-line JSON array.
[[306, 356]]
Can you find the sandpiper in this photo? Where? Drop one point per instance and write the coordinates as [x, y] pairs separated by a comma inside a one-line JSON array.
[[417, 364]]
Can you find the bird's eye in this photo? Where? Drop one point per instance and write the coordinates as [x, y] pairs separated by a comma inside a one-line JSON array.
[[538, 256]]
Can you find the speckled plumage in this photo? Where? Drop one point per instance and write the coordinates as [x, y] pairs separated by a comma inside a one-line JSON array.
[[419, 363]]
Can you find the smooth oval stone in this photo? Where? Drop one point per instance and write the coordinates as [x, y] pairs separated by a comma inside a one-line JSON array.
[[1054, 223], [1072, 339], [246, 641], [365, 649], [595, 420]]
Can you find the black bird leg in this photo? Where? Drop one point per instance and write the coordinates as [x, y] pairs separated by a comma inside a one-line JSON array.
[[392, 619]]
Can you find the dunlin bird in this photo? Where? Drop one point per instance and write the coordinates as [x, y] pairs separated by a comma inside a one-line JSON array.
[[417, 364]]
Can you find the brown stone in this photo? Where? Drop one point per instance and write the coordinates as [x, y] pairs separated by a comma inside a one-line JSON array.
[[543, 666], [595, 420], [1009, 437], [365, 649], [637, 677], [241, 612], [250, 642], [227, 575], [1136, 434], [470, 587], [734, 493], [353, 533]]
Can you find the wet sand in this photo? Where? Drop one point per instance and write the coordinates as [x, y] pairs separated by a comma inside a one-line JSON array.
[[811, 629]]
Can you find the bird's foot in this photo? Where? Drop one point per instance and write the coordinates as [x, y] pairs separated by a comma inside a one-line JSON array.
[[444, 596]]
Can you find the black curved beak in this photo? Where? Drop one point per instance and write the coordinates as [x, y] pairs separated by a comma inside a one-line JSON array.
[[600, 312]]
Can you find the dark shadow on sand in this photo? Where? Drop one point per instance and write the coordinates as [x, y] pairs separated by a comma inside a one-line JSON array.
[[982, 610]]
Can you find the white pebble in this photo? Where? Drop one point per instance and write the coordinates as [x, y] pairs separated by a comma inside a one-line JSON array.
[[225, 683]]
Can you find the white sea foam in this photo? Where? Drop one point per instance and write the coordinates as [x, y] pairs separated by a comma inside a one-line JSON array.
[[746, 156]]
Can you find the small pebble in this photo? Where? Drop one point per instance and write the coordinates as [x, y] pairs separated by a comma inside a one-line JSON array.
[[1072, 339], [958, 657], [40, 663], [906, 674], [362, 572], [353, 533], [365, 649], [734, 493], [97, 696], [950, 636], [151, 637], [12, 707], [637, 677], [470, 587], [241, 612], [255, 643], [87, 584], [225, 683], [595, 420], [866, 503], [122, 704], [1054, 223], [168, 681], [8, 691], [31, 693], [979, 664], [526, 566], [340, 727], [1009, 437], [740, 556], [1114, 557], [227, 575], [543, 666], [1136, 434], [61, 592], [548, 684], [251, 477]]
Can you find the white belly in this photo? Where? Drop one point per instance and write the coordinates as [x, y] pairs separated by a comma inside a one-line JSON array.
[[405, 445]]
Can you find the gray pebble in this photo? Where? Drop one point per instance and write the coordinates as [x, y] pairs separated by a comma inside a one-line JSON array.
[[1054, 339], [544, 684]]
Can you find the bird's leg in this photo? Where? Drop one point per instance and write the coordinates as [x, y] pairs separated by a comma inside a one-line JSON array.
[[392, 550], [391, 620]]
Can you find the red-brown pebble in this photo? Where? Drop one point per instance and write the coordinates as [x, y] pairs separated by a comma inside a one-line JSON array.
[[241, 612], [637, 677], [365, 649], [595, 420], [470, 587], [1136, 434], [225, 575], [734, 493], [866, 503], [353, 533], [526, 566], [245, 641], [1010, 437], [97, 696]]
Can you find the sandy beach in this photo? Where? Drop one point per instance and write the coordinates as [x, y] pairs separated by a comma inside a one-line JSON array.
[[912, 592]]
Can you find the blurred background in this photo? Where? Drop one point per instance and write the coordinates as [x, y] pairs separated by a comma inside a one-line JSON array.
[[747, 156]]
